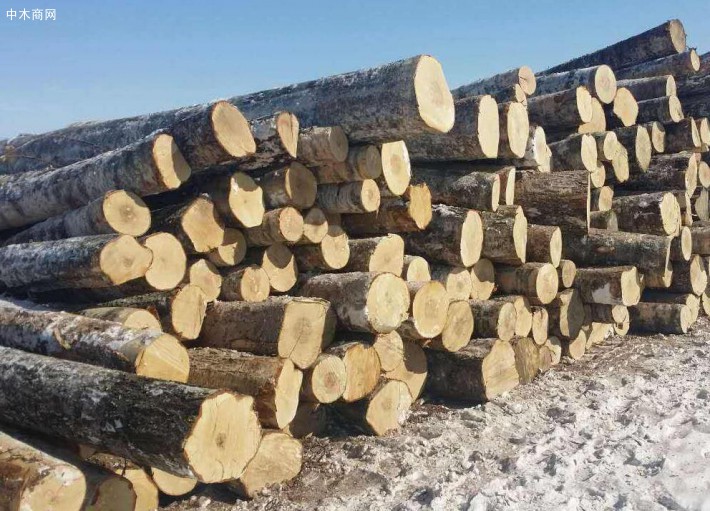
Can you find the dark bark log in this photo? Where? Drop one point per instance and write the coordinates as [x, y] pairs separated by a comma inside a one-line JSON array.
[[683, 136], [575, 152], [505, 236], [476, 190], [666, 109], [624, 110], [617, 285], [650, 213], [319, 145], [599, 80], [684, 63], [276, 138], [522, 76], [665, 318]]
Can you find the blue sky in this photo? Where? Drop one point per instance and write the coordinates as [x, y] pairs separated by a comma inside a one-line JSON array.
[[105, 59]]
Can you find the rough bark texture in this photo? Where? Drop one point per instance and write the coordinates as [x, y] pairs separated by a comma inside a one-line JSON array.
[[544, 244], [522, 76], [362, 162], [650, 213], [666, 109], [689, 276], [651, 87], [606, 248], [322, 144], [559, 110], [394, 216], [535, 280], [665, 39], [292, 185], [618, 285], [603, 220], [683, 136], [665, 318], [355, 197], [380, 254], [248, 283], [599, 80], [171, 426], [474, 190], [684, 63], [574, 153], [276, 138], [281, 225], [493, 318], [505, 236], [197, 224], [380, 104], [566, 314]]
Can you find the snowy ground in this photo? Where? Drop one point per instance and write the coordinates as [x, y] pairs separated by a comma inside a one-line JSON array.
[[626, 428]]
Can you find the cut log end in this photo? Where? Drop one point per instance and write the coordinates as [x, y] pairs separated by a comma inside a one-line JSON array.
[[232, 251], [434, 99], [124, 259], [245, 200], [250, 284], [335, 249], [169, 263], [114, 493], [287, 127], [126, 213], [280, 266], [170, 162], [387, 302], [482, 280], [416, 269], [362, 370], [526, 80], [518, 129], [585, 105], [605, 84], [390, 350], [232, 131], [488, 126], [224, 438], [471, 244], [165, 358], [206, 277], [430, 304], [625, 107], [388, 407], [315, 226], [412, 370], [286, 394], [202, 225], [307, 327], [172, 485], [458, 328], [300, 186], [396, 167], [188, 311]]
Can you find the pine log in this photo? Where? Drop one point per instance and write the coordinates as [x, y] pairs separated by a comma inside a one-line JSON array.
[[475, 134], [362, 368], [144, 490], [279, 264], [182, 429], [482, 280], [514, 93], [412, 371], [665, 318], [650, 87], [381, 104], [332, 253], [566, 314], [429, 305], [294, 328], [522, 76], [650, 213], [454, 236], [514, 126], [381, 254], [523, 314], [456, 280], [666, 109], [505, 236], [246, 283], [689, 299], [389, 346], [563, 109], [535, 280], [566, 273], [493, 318], [683, 63], [544, 244], [232, 250], [617, 285], [505, 172], [197, 224], [683, 246], [86, 262], [415, 269], [479, 372], [599, 80], [383, 411], [683, 136], [281, 225], [607, 248], [354, 197], [540, 324], [601, 198], [127, 317], [278, 460], [606, 220], [575, 348], [689, 276], [362, 162], [624, 111], [148, 167], [293, 185], [396, 169], [607, 145], [665, 39], [558, 198], [322, 144], [276, 136], [236, 196], [410, 214], [654, 180], [326, 380], [686, 207], [701, 239], [637, 142], [474, 190], [458, 328], [657, 133], [274, 383]]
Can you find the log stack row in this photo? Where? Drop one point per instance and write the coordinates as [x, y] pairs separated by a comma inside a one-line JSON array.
[[211, 284]]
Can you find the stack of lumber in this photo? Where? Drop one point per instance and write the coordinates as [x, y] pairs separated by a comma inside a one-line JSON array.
[[214, 283]]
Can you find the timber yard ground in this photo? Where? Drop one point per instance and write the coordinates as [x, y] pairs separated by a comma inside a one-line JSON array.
[[625, 428]]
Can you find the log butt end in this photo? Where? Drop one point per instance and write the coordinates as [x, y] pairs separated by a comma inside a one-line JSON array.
[[471, 244], [387, 303], [518, 129], [172, 168], [388, 408], [232, 130], [605, 84], [287, 127], [169, 264], [246, 200], [327, 379], [286, 394], [434, 99], [165, 359], [489, 126], [126, 213], [527, 80], [498, 371], [308, 327], [396, 166], [124, 259]]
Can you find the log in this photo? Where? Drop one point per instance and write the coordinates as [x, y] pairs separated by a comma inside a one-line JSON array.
[[396, 169], [232, 250], [294, 328], [637, 142], [607, 248], [660, 277], [558, 198], [522, 76], [596, 333], [354, 197], [566, 314], [116, 212], [333, 252], [606, 220], [236, 196], [624, 111], [540, 324], [537, 153], [607, 145], [274, 383], [689, 276], [86, 262], [178, 428], [246, 283], [657, 133], [282, 225], [615, 314], [514, 126], [550, 354], [482, 280], [561, 110], [704, 174], [665, 39], [428, 311], [362, 162], [278, 460], [382, 411], [380, 254], [127, 317], [700, 206], [566, 273], [601, 198], [172, 485], [143, 489], [689, 299], [527, 358], [683, 63], [700, 239], [597, 177], [650, 213], [575, 348], [475, 134], [207, 134], [544, 244], [389, 346], [205, 275], [620, 166], [279, 264], [686, 207], [197, 224], [505, 236], [148, 167], [322, 144], [454, 236], [683, 136], [362, 369], [293, 185], [181, 311], [704, 129], [523, 314], [654, 180], [415, 269], [683, 246], [479, 372], [493, 318], [474, 190], [665, 318], [311, 420], [276, 136], [456, 280], [325, 381], [315, 227], [599, 80], [412, 371], [381, 104], [666, 109], [412, 214], [598, 122], [535, 280], [650, 87], [616, 285], [458, 328]]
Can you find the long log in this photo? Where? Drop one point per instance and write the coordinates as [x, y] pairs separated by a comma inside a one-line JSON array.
[[618, 285], [666, 109], [683, 136], [294, 328], [607, 248], [380, 254], [505, 235], [665, 39], [522, 76], [354, 197], [689, 276], [650, 87], [665, 318], [689, 299], [604, 220], [493, 318], [474, 190], [322, 144], [331, 254], [535, 280], [381, 104], [599, 80], [684, 63], [409, 214], [561, 110], [276, 137], [624, 111], [650, 213], [182, 429], [362, 162]]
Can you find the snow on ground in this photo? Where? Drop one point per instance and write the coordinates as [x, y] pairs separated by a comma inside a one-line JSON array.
[[626, 428]]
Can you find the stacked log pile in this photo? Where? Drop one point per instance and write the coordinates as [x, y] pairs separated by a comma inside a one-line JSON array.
[[214, 283]]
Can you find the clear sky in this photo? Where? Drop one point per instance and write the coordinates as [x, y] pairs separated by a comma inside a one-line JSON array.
[[105, 58]]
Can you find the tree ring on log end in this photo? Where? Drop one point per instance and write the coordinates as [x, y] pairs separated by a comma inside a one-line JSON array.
[[585, 105], [434, 99], [280, 265], [301, 185], [123, 259], [388, 255], [232, 130], [459, 326], [429, 309], [126, 213], [388, 407], [165, 359], [387, 303]]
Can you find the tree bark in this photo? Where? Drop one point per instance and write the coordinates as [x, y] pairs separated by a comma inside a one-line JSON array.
[[505, 236], [144, 492], [276, 137], [318, 145], [650, 87], [650, 213], [331, 254], [685, 63], [689, 276], [474, 190], [566, 314], [381, 104], [522, 76], [574, 153], [362, 368], [559, 110], [666, 109], [178, 428], [293, 185], [544, 244], [380, 254], [354, 197], [665, 318], [535, 280], [682, 245], [527, 358], [493, 318], [599, 80], [683, 136], [606, 220], [618, 285], [246, 283], [412, 214], [362, 162]]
